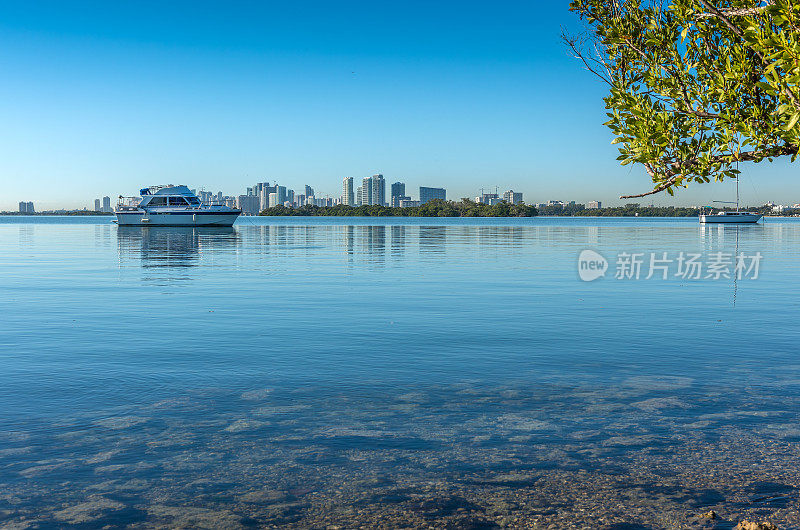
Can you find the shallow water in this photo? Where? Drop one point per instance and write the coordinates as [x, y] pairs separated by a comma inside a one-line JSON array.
[[390, 372]]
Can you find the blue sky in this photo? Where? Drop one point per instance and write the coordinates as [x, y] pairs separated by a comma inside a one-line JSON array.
[[102, 98]]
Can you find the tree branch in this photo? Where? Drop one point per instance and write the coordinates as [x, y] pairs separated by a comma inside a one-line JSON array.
[[678, 170], [740, 12], [658, 189], [739, 33], [577, 53]]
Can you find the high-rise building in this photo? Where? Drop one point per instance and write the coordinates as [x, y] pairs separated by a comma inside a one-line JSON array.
[[266, 189], [97, 205], [347, 192], [378, 190], [258, 187], [428, 194], [486, 198], [290, 196], [372, 191], [309, 191], [366, 191], [512, 197], [23, 207], [263, 198], [273, 200], [323, 202], [248, 204], [398, 191], [281, 192], [258, 190], [594, 205], [107, 204]]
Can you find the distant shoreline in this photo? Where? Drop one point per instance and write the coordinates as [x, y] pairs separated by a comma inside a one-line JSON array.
[[60, 213], [433, 208], [439, 208], [451, 210]]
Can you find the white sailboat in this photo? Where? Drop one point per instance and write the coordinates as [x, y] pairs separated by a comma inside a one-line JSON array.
[[736, 216]]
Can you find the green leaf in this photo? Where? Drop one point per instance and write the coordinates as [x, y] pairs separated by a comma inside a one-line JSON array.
[[793, 121]]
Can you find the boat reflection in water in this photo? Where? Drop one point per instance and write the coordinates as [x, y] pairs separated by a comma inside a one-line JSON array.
[[172, 246]]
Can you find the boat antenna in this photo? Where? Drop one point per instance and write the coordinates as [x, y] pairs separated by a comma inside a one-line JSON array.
[[735, 272]]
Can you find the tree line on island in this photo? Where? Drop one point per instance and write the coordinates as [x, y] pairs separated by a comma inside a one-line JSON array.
[[432, 208], [469, 208]]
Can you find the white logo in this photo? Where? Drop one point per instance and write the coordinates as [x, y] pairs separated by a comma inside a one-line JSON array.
[[591, 266]]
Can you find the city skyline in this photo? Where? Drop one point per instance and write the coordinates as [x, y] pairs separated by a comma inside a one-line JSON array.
[[298, 93], [10, 203], [264, 195]]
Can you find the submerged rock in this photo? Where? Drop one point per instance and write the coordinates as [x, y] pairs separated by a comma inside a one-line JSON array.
[[751, 525], [664, 382], [658, 404], [15, 451], [245, 425], [256, 395], [87, 512], [190, 517], [263, 496], [120, 422]]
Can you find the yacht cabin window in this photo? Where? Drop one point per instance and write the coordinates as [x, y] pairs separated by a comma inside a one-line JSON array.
[[177, 201]]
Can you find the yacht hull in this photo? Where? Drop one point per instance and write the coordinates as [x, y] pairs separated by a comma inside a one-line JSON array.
[[739, 219], [141, 218]]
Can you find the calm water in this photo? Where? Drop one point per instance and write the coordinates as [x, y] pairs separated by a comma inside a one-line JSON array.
[[315, 372]]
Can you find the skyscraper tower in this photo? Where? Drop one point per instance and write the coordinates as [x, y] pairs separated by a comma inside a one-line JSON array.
[[366, 191], [378, 190], [347, 192], [398, 190]]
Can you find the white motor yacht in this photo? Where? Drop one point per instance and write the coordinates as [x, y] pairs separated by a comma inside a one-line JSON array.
[[172, 205]]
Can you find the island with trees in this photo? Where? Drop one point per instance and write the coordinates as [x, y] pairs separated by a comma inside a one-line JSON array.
[[433, 208], [468, 208]]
